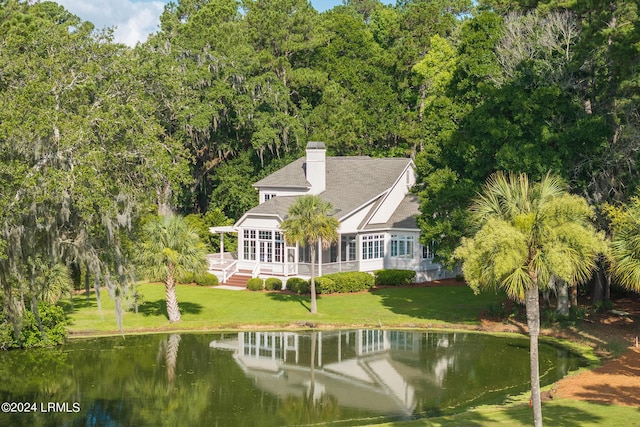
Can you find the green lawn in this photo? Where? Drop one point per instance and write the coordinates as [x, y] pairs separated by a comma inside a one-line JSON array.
[[209, 308], [563, 412]]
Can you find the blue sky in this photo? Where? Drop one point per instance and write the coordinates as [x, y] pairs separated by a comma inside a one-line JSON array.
[[134, 20]]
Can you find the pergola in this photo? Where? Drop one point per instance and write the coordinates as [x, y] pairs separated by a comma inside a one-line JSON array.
[[221, 230]]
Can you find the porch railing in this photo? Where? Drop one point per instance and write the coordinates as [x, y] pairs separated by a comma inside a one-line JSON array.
[[229, 271], [304, 268], [256, 270]]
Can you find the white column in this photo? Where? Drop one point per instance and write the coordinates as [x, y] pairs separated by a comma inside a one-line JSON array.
[[221, 246], [319, 251]]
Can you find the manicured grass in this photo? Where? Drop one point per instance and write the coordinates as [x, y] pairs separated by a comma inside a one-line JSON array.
[[563, 412], [209, 308]]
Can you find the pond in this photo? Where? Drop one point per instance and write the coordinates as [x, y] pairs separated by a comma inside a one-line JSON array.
[[268, 378]]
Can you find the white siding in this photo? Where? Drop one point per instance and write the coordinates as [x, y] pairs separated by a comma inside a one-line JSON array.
[[259, 223], [393, 198], [280, 192], [350, 225]]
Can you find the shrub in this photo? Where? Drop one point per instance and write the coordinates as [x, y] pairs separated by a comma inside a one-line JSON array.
[[255, 284], [604, 305], [7, 337], [273, 284], [324, 285], [394, 277], [496, 311], [298, 285], [577, 313], [186, 278], [53, 323], [207, 279], [353, 281]]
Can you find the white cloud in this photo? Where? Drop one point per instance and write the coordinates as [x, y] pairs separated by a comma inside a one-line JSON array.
[[132, 21]]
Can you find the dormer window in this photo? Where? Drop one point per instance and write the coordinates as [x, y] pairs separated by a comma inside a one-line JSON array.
[[268, 196]]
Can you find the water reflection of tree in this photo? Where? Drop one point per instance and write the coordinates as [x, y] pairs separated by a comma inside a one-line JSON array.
[[37, 376], [169, 351], [169, 401], [309, 407]]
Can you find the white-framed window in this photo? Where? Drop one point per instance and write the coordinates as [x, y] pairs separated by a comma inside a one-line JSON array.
[[373, 246], [249, 244], [427, 251], [268, 196], [263, 245], [278, 254], [402, 245]]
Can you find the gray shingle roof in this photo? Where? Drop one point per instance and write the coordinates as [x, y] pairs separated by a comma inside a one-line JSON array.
[[350, 182], [291, 175]]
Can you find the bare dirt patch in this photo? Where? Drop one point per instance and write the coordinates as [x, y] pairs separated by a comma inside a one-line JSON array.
[[616, 382]]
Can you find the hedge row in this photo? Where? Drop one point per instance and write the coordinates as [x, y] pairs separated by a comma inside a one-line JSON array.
[[354, 281], [394, 277], [332, 283]]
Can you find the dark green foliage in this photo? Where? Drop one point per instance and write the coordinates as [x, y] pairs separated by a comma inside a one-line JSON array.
[[496, 311], [255, 284], [603, 306], [206, 279], [53, 324], [324, 285], [353, 281], [7, 338], [297, 285], [394, 277], [187, 278], [273, 284], [213, 217]]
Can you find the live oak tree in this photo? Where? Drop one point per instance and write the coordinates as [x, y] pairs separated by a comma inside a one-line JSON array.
[[528, 232], [79, 147], [309, 223]]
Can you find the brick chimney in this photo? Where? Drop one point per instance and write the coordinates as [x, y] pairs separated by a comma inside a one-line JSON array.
[[316, 166]]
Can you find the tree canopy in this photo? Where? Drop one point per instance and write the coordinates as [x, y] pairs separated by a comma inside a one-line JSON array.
[[95, 135]]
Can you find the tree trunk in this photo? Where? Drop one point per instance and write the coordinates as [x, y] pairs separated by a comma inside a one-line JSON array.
[[314, 304], [163, 199], [96, 287], [87, 282], [597, 288], [173, 312], [562, 291], [574, 295], [533, 321]]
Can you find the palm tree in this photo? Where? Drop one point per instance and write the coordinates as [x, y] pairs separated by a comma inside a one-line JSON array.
[[625, 244], [309, 223], [527, 233], [170, 249]]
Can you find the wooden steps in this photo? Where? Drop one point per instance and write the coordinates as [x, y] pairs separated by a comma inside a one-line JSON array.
[[239, 279]]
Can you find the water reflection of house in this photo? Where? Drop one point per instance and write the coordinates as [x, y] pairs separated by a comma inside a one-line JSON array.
[[363, 369]]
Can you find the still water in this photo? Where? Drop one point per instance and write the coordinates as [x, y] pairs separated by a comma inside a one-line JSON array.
[[267, 378]]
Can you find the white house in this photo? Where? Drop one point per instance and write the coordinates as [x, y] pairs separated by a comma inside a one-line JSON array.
[[371, 198]]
